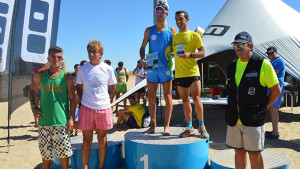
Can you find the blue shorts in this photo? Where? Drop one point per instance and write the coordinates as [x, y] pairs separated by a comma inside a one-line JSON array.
[[160, 75], [277, 103]]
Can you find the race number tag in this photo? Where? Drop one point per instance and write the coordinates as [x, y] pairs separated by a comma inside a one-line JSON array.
[[180, 50]]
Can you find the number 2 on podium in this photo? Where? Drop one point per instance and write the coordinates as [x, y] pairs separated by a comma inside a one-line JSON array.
[[145, 159]]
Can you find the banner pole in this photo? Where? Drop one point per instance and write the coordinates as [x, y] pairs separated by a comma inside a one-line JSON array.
[[12, 43]]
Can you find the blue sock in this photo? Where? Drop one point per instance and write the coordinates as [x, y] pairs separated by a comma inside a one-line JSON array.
[[189, 124], [201, 123]]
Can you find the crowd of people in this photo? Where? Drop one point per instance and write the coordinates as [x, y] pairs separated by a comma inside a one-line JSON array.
[[83, 99]]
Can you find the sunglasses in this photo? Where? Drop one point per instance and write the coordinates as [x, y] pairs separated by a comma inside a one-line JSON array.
[[270, 53], [241, 45], [58, 57], [92, 52], [162, 12]]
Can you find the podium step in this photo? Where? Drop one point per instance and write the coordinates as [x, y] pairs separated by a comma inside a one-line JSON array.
[[113, 159], [165, 152], [225, 160]]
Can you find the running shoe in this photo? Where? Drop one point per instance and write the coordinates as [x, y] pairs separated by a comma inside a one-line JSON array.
[[203, 133], [187, 132]]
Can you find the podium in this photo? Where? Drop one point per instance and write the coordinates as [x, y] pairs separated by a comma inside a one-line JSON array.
[[113, 159], [224, 159], [165, 152]]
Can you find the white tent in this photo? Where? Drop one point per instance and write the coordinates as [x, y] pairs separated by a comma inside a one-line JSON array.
[[269, 22]]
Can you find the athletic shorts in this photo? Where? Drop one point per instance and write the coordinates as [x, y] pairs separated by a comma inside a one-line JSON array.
[[121, 87], [277, 103], [90, 119], [141, 90], [160, 75], [132, 123], [77, 114], [186, 81], [57, 138], [37, 93], [244, 137]]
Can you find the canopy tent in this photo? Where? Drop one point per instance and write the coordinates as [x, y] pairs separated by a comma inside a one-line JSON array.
[[269, 22]]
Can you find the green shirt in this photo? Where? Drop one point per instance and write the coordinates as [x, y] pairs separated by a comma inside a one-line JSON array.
[[121, 76], [54, 100]]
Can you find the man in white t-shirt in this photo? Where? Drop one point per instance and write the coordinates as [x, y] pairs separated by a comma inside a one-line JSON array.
[[140, 76], [93, 80]]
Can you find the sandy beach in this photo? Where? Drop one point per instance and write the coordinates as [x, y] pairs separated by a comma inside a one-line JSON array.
[[24, 153]]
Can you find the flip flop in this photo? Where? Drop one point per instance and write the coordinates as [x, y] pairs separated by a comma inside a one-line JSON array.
[[166, 134], [152, 132]]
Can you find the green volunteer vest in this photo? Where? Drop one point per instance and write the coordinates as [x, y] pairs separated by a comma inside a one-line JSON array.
[[54, 100]]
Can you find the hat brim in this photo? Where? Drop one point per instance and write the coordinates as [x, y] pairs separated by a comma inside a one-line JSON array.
[[269, 51], [240, 41], [161, 8]]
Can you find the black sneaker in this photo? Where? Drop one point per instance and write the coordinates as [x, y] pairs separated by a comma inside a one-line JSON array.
[[270, 135]]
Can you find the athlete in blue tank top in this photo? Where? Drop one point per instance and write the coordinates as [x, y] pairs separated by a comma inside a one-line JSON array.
[[159, 37], [161, 43]]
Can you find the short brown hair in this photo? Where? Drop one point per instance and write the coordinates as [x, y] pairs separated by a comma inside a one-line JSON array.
[[55, 49], [93, 44], [185, 14]]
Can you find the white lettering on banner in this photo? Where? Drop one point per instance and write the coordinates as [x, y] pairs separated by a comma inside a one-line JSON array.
[[145, 159], [7, 8], [42, 37]]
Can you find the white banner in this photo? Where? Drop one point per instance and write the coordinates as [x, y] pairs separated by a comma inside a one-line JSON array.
[[6, 12], [131, 91], [37, 30]]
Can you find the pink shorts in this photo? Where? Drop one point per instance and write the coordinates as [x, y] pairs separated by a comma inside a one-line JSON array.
[[90, 119]]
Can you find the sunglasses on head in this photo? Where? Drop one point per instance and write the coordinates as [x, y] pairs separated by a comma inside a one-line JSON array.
[[58, 57], [162, 12], [242, 45]]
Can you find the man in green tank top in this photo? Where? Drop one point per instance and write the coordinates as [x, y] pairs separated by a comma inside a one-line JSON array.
[[55, 114]]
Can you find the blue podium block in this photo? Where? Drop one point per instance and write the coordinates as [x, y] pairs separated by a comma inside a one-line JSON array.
[[165, 152], [225, 160], [113, 159]]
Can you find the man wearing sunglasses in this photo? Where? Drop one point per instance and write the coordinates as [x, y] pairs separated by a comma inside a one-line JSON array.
[[93, 80], [55, 114], [159, 37], [279, 66], [249, 77], [187, 76]]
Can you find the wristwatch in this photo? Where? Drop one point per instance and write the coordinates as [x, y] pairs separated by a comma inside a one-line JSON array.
[[192, 55]]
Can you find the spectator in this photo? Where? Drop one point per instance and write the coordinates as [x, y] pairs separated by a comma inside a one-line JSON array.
[[122, 79], [131, 116], [140, 76]]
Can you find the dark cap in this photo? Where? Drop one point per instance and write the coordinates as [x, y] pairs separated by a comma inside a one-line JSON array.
[[272, 49], [242, 37], [131, 97], [162, 5]]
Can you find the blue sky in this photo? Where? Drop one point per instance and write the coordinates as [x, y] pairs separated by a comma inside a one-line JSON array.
[[120, 25]]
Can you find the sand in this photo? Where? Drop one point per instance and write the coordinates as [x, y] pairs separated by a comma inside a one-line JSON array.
[[24, 153]]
